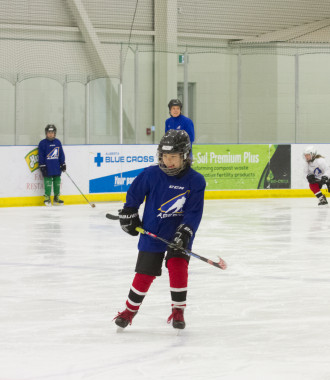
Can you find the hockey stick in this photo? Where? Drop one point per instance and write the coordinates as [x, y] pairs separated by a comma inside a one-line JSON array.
[[220, 264], [91, 204]]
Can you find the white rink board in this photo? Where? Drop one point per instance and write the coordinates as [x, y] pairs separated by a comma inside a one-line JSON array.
[[118, 160], [19, 181], [298, 179]]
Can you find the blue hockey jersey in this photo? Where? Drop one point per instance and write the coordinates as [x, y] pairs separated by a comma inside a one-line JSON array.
[[169, 201], [51, 154], [181, 122]]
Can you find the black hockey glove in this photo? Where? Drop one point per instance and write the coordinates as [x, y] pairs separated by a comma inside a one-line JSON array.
[[129, 219], [43, 170], [324, 180], [63, 167], [311, 178], [182, 236]]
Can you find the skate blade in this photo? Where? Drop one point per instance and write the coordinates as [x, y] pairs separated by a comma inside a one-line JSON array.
[[120, 330]]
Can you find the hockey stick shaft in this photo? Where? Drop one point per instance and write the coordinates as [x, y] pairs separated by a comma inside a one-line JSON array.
[[221, 264], [91, 204]]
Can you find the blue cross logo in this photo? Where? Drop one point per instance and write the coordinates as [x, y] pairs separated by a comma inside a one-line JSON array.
[[98, 159]]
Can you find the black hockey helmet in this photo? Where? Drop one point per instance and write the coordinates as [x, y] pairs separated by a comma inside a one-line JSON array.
[[175, 102], [174, 141], [50, 128]]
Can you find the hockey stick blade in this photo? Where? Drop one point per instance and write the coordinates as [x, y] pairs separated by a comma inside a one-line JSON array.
[[112, 217]]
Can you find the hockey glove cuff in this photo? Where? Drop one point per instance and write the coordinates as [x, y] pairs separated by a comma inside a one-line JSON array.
[[129, 219], [43, 170], [63, 167], [311, 178], [182, 236]]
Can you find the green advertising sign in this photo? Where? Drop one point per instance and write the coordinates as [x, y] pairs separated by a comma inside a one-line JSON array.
[[243, 167]]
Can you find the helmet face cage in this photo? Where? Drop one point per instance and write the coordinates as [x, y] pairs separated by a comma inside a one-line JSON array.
[[174, 142], [311, 150]]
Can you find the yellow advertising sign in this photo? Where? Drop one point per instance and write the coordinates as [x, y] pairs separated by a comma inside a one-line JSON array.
[[32, 159]]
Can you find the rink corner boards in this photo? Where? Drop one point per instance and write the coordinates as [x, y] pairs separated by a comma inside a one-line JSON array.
[[120, 197]]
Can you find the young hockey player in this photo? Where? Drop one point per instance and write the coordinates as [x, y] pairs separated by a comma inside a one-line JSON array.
[[174, 195], [51, 164], [178, 121], [317, 173]]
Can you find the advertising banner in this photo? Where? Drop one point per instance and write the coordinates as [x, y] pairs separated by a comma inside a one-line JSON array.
[[95, 168], [32, 159], [19, 174], [277, 173], [243, 167], [111, 168], [114, 167]]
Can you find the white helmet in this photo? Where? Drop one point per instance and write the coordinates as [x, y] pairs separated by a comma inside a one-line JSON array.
[[310, 150]]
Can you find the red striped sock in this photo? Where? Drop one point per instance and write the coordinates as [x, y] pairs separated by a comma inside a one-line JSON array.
[[138, 291], [178, 273]]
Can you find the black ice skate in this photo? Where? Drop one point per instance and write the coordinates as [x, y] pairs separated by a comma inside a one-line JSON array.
[[47, 201], [124, 318], [178, 319], [57, 201], [323, 201]]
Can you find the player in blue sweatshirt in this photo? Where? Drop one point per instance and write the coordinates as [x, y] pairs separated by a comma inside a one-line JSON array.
[[174, 199], [178, 121], [51, 164]]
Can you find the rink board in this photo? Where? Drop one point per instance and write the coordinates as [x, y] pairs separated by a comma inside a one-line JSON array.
[[104, 172]]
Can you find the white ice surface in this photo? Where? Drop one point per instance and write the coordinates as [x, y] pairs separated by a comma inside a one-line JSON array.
[[65, 272]]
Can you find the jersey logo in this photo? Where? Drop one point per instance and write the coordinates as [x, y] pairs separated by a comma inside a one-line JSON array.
[[317, 171], [174, 206], [54, 154]]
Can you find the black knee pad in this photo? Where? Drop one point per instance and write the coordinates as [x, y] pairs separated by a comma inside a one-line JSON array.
[[150, 263], [172, 253]]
